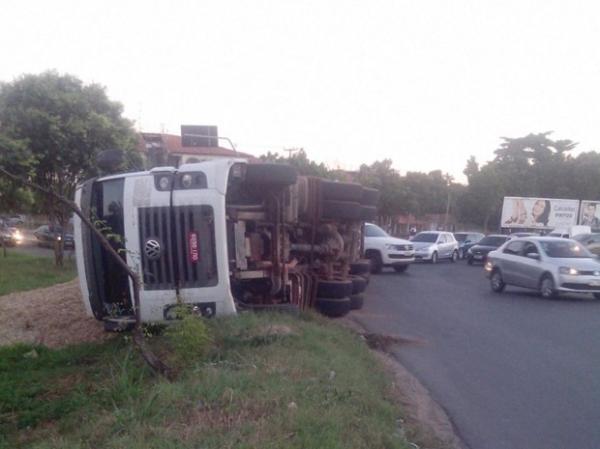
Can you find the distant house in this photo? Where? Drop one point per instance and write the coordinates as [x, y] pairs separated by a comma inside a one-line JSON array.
[[166, 150]]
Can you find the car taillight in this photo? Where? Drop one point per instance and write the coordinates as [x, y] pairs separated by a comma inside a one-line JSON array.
[[193, 252]]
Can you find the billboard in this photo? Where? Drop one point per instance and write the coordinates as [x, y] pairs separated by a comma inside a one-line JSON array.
[[542, 213], [589, 214]]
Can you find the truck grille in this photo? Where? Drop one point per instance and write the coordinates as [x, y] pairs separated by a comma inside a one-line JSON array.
[[165, 235]]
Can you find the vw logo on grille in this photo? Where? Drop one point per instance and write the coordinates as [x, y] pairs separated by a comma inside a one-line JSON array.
[[152, 249]]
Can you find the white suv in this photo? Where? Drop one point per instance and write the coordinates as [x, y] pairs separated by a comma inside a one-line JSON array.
[[383, 250], [435, 245]]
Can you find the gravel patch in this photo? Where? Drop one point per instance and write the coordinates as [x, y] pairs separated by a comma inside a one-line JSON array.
[[52, 316]]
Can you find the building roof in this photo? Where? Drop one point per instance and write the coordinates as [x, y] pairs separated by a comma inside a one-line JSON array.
[[172, 144]]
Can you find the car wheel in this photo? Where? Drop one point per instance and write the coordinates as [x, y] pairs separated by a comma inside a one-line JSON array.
[[334, 289], [334, 308], [357, 302], [597, 295], [547, 289], [470, 261], [496, 282], [400, 268], [376, 262], [454, 257], [434, 257]]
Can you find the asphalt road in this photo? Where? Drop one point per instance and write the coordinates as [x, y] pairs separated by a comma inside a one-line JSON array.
[[512, 370]]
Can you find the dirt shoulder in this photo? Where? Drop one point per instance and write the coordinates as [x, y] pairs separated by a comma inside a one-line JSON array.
[[52, 316]]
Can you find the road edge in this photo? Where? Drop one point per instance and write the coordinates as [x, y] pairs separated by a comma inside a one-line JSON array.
[[428, 423]]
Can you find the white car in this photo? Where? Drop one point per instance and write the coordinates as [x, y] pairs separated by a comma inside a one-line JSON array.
[[435, 245], [383, 250]]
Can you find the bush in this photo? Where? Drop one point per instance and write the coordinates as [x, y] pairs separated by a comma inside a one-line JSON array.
[[189, 336]]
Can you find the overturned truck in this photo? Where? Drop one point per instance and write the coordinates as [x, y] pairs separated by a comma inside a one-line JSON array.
[[222, 236]]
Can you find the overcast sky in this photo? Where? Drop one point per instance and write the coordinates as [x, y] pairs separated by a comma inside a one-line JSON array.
[[425, 83]]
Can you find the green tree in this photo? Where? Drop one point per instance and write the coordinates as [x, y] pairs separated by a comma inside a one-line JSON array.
[[52, 127], [299, 159]]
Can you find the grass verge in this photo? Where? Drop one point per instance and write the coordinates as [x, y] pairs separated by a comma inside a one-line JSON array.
[[267, 381], [20, 272]]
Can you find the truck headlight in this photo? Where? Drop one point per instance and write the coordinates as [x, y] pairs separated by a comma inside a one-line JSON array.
[[568, 270]]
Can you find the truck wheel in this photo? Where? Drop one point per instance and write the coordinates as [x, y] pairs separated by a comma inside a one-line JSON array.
[[370, 197], [376, 262], [334, 308], [359, 284], [368, 213], [357, 302], [341, 210], [361, 266], [271, 174], [341, 191], [334, 289]]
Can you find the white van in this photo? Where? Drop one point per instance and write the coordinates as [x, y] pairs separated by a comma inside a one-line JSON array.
[[570, 232]]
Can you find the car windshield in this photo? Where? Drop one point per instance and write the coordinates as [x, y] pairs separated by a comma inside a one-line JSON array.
[[375, 231], [565, 249], [425, 237], [492, 241], [460, 237]]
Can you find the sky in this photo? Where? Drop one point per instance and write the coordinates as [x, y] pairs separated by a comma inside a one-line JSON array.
[[424, 83]]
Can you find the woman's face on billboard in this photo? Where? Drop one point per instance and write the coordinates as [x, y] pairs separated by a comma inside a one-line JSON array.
[[538, 208]]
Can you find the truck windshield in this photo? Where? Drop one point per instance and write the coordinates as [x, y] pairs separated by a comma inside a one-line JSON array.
[[107, 210]]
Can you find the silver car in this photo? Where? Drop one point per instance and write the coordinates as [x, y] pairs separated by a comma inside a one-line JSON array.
[[549, 265], [435, 245]]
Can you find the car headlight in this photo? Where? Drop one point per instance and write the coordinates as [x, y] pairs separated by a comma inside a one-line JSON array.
[[568, 270], [488, 266]]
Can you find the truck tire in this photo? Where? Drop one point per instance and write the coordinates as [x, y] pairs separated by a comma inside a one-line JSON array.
[[357, 302], [368, 213], [359, 284], [271, 174], [334, 308], [341, 191], [361, 266], [341, 210], [370, 197], [334, 289]]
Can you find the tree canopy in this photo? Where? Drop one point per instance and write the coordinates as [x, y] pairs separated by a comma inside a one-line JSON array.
[[53, 126]]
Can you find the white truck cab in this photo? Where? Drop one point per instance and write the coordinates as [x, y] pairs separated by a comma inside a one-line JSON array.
[[219, 235]]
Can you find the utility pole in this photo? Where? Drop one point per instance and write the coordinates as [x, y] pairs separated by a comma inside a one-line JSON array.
[[291, 150]]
